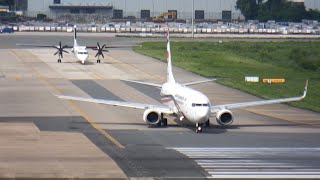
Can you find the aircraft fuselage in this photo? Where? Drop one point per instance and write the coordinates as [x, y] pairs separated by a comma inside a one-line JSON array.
[[80, 53], [189, 103]]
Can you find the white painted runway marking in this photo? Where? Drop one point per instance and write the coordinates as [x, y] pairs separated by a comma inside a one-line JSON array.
[[244, 163]]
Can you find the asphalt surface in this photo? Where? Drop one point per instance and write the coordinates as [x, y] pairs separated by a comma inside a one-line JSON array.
[[260, 144], [154, 154]]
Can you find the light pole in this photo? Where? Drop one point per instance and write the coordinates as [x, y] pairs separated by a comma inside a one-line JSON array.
[[192, 18], [152, 8]]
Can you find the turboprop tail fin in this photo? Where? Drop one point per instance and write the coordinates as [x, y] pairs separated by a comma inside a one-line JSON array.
[[75, 36]]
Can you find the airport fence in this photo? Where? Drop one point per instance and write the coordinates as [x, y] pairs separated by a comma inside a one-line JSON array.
[[115, 28], [106, 26]]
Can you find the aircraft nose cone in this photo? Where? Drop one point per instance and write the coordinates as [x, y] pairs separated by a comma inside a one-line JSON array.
[[203, 114], [83, 57]]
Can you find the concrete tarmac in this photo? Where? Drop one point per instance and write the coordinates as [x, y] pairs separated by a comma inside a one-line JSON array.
[[90, 140]]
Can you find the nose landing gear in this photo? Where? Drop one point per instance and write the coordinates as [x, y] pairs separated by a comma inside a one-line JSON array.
[[198, 128]]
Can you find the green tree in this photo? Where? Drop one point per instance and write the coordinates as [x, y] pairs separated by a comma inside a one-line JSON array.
[[279, 10], [313, 14]]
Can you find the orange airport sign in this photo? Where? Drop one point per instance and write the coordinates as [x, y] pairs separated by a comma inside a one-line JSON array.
[[273, 81]]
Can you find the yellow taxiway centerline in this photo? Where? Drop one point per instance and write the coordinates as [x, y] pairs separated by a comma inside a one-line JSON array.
[[83, 114]]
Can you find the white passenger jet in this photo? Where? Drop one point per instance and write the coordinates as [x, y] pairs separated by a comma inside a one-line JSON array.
[[183, 102], [79, 52]]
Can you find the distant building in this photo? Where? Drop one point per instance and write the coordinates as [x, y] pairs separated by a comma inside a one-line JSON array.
[[4, 8], [21, 5], [297, 1], [141, 9], [204, 9], [312, 4]]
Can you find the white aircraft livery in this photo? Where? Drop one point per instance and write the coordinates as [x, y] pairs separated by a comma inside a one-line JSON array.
[[79, 52], [181, 101]]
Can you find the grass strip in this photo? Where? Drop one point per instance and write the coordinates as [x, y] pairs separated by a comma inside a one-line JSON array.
[[232, 61]]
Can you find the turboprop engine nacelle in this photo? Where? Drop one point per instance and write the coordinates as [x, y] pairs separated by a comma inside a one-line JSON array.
[[224, 117], [151, 117]]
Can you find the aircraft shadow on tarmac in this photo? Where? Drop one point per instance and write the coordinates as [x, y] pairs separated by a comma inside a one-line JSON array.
[[264, 125], [88, 63], [206, 130], [213, 129], [94, 63], [107, 62]]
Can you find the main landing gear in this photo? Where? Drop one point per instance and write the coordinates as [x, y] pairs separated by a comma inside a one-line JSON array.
[[59, 60], [98, 61], [163, 121], [207, 124], [199, 126]]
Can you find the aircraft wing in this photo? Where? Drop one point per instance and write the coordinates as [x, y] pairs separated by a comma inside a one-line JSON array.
[[159, 85], [144, 83], [159, 108], [110, 47], [216, 108], [43, 45], [198, 82]]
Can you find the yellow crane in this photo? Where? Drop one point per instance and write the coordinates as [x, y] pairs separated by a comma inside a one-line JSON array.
[[162, 16]]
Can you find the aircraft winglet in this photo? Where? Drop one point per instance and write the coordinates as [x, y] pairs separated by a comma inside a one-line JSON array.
[[305, 89]]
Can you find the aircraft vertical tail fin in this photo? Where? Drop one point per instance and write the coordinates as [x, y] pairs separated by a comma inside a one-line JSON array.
[[170, 77], [75, 36]]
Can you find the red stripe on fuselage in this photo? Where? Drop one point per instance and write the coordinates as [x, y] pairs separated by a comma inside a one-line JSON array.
[[166, 100]]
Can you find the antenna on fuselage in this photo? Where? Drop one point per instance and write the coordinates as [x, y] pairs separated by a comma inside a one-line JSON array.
[[170, 77]]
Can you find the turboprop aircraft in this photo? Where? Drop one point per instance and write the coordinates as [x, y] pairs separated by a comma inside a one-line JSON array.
[[79, 52], [181, 101]]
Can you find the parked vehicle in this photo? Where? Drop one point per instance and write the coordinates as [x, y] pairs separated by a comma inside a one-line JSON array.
[[7, 30]]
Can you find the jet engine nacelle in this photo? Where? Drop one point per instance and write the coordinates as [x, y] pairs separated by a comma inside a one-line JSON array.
[[151, 117], [224, 117]]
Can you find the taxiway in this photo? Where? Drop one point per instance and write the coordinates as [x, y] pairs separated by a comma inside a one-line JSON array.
[[46, 137]]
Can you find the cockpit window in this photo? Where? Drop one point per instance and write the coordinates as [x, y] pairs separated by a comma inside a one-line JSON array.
[[195, 104], [82, 52]]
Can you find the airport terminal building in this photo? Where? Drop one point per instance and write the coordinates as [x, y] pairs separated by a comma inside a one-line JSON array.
[[142, 9], [139, 9]]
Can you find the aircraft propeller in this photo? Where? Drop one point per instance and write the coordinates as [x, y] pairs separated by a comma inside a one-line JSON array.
[[100, 51], [60, 51]]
